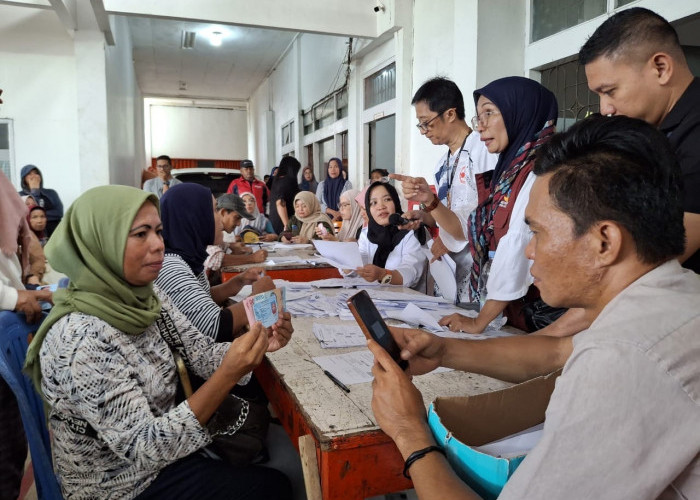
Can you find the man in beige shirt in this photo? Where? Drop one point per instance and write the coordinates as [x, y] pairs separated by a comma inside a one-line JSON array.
[[606, 214]]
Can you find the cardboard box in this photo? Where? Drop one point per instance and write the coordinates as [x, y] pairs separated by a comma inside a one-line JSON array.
[[461, 423]]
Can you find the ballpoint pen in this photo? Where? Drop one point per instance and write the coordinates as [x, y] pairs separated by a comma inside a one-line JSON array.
[[336, 381]]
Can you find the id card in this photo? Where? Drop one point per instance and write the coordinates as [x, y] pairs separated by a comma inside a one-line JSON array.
[[265, 307]]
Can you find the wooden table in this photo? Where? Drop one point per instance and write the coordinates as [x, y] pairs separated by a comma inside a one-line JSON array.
[[292, 271], [356, 459]]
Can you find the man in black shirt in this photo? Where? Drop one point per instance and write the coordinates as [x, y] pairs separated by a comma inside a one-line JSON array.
[[635, 63]]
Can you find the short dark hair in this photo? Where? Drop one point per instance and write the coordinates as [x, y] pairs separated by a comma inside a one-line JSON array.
[[632, 32], [440, 94], [165, 157], [382, 171], [620, 169]]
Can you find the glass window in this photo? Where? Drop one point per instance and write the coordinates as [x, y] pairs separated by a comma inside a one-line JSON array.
[[381, 86], [288, 133], [553, 16], [620, 3], [567, 80], [308, 121], [5, 148], [341, 103], [324, 114]]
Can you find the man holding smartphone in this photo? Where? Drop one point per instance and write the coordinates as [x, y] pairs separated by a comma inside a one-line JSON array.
[[607, 219]]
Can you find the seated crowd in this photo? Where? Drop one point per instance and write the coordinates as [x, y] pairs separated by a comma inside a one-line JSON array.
[[586, 239]]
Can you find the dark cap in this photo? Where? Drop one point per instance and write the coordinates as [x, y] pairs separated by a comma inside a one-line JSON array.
[[234, 203], [247, 164]]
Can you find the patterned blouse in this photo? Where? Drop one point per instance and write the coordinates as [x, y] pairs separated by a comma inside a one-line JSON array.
[[124, 387]]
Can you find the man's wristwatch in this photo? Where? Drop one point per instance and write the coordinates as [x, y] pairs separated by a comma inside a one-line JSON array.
[[386, 279], [433, 205]]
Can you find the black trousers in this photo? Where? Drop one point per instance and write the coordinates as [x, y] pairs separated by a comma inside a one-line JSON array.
[[200, 477], [13, 444]]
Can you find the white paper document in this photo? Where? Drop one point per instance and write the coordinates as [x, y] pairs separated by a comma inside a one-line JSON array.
[[341, 254], [514, 445], [283, 259], [291, 246], [353, 367], [343, 283], [414, 315], [444, 272], [334, 336]]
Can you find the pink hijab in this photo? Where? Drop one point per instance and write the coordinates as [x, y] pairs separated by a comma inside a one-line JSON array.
[[13, 222]]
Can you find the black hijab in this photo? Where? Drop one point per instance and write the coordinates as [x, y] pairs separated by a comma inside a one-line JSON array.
[[385, 237], [187, 213]]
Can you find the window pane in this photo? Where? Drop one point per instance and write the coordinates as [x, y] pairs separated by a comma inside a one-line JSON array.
[[553, 16], [567, 81], [381, 86], [5, 166], [620, 3]]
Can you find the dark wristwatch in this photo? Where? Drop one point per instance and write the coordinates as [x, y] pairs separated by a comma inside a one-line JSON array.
[[433, 204]]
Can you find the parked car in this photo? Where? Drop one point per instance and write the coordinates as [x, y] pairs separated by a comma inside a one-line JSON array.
[[216, 179]]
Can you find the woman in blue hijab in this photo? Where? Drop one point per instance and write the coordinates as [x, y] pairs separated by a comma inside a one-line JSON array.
[[330, 189], [515, 116]]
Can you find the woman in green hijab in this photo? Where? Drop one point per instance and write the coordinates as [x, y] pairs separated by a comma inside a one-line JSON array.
[[104, 368]]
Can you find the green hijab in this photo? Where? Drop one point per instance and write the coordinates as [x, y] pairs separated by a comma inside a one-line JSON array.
[[88, 247]]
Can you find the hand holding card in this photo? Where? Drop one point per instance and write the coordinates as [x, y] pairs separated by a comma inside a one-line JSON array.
[[265, 307]]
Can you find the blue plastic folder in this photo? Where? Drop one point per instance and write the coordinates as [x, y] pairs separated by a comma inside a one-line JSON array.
[[459, 424]]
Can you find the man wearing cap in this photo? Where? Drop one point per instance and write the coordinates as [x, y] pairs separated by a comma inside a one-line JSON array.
[[160, 184], [231, 209], [247, 183]]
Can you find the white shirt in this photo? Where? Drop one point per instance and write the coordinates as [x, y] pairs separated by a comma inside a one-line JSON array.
[[10, 281], [624, 419], [474, 159], [407, 257], [510, 276]]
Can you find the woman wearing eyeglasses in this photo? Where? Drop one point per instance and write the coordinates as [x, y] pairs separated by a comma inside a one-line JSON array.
[[515, 116], [440, 111]]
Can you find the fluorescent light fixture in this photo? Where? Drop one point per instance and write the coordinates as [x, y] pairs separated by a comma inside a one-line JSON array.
[[215, 38], [188, 38]]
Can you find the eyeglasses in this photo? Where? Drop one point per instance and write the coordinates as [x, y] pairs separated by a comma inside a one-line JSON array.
[[483, 118], [423, 126]]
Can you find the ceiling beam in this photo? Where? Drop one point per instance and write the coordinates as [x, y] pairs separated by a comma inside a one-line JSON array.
[[102, 18], [359, 18], [65, 10]]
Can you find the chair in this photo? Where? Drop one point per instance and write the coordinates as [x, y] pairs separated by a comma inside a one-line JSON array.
[[14, 331]]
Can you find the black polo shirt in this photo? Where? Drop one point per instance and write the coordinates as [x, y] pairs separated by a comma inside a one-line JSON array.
[[682, 127]]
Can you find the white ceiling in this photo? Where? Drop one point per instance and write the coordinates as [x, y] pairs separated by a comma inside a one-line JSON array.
[[232, 71]]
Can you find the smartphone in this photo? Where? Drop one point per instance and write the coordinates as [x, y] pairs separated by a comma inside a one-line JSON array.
[[373, 326]]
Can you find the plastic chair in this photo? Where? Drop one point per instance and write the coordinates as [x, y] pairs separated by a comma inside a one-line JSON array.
[[14, 331]]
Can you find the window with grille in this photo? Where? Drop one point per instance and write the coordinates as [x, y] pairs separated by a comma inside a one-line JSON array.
[[567, 80], [380, 86]]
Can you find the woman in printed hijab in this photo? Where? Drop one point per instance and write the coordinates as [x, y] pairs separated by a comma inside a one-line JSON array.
[[515, 116], [103, 365]]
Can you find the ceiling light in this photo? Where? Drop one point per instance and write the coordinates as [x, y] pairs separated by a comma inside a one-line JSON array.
[[188, 39], [215, 38]]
